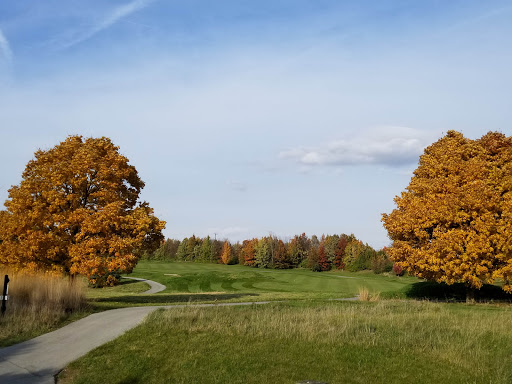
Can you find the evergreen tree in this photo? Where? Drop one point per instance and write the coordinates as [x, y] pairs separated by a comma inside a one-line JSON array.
[[181, 253], [206, 250]]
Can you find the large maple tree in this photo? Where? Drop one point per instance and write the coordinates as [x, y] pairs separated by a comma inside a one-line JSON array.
[[77, 211], [453, 223]]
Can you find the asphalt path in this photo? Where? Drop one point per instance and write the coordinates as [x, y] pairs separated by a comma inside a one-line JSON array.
[[155, 287], [40, 359]]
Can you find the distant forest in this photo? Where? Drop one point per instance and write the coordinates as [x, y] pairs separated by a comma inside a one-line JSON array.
[[344, 252]]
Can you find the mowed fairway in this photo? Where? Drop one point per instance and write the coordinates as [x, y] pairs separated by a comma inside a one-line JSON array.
[[255, 284]]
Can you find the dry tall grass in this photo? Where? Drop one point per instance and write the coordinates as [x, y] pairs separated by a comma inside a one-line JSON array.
[[365, 295], [405, 327], [37, 303]]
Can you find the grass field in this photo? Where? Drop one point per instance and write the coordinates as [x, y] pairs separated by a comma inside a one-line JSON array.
[[196, 282], [335, 342], [193, 282], [197, 278], [304, 336]]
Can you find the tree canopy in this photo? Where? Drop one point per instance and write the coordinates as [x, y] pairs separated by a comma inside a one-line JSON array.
[[453, 223], [76, 211]]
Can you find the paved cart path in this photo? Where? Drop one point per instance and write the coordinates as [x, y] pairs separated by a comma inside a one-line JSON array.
[[155, 287], [38, 360]]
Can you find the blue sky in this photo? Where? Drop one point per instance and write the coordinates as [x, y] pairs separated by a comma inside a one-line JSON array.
[[250, 117]]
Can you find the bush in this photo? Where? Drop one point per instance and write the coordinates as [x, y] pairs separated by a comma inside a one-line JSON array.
[[380, 262], [398, 270]]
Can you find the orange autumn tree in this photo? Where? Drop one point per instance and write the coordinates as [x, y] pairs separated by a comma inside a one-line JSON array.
[[76, 211], [226, 253], [248, 251], [454, 221]]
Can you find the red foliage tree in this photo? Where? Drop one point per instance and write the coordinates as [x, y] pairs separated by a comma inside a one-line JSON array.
[[340, 252], [323, 260], [281, 258]]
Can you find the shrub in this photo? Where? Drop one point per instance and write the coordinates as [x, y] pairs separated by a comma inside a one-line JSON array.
[[398, 270]]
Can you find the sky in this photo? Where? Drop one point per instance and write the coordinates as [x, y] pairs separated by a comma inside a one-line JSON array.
[[246, 118]]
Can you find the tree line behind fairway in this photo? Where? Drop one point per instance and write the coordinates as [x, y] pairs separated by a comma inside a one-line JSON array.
[[319, 254]]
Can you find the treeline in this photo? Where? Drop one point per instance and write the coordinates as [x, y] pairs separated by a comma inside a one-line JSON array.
[[329, 252]]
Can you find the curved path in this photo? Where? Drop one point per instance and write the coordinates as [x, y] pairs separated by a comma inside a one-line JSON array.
[[155, 287]]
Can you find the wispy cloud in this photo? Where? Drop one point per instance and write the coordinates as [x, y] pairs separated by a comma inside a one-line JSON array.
[[107, 21], [5, 47], [231, 233], [393, 146], [237, 185], [478, 18]]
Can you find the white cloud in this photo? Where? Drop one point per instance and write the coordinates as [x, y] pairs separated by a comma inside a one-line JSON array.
[[388, 145], [110, 19], [232, 233], [237, 185], [5, 47]]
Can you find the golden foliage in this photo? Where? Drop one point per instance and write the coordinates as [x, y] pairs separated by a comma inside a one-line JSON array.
[[226, 253], [454, 221], [76, 211]]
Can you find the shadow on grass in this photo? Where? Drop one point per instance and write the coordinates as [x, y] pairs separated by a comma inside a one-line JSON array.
[[428, 290], [170, 299]]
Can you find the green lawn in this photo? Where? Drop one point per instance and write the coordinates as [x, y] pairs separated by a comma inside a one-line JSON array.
[[196, 282], [335, 342]]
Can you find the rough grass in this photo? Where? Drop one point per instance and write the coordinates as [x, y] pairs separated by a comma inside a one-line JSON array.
[[336, 342], [38, 303]]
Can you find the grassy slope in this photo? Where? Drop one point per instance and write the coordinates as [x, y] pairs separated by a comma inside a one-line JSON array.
[[236, 282], [127, 287], [335, 342]]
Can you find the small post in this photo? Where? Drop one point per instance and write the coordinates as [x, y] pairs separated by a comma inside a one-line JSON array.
[[5, 293]]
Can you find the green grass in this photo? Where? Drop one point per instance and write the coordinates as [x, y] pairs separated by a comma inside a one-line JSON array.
[[195, 282], [334, 342], [125, 288]]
